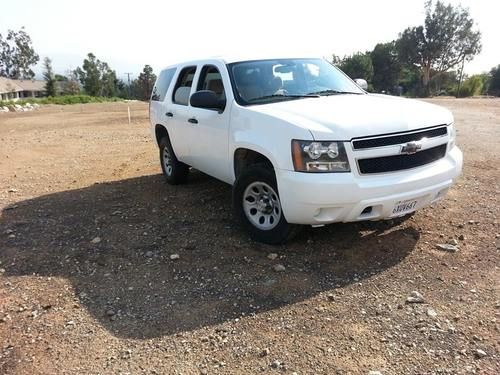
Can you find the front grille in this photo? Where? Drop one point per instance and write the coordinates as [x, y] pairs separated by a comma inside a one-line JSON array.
[[400, 162], [398, 138]]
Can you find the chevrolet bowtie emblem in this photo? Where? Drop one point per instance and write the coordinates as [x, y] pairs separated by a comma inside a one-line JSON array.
[[411, 147]]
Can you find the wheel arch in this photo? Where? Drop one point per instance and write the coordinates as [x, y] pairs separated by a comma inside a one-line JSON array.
[[160, 132], [244, 157]]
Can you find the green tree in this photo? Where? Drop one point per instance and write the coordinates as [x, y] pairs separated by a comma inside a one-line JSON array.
[[485, 77], [494, 81], [446, 39], [145, 83], [108, 80], [97, 78], [336, 60], [409, 79], [60, 78], [358, 65], [386, 66], [48, 75], [122, 90], [444, 83], [17, 55], [472, 86], [71, 86], [89, 75]]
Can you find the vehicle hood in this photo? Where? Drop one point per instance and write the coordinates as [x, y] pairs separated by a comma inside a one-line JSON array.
[[343, 117]]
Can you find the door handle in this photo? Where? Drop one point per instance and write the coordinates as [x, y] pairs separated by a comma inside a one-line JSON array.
[[192, 120], [169, 114]]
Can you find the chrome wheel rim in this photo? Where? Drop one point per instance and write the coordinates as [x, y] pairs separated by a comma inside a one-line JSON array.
[[261, 205], [167, 161]]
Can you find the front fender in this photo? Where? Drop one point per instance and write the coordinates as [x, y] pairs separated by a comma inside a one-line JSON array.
[[268, 135]]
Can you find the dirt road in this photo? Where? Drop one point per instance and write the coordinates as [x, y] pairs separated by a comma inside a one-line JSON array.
[[89, 283]]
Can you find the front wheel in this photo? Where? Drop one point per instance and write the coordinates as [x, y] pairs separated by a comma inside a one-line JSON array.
[[257, 205]]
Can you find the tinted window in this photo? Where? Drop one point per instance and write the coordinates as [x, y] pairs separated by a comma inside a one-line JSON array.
[[162, 84], [183, 85], [210, 79]]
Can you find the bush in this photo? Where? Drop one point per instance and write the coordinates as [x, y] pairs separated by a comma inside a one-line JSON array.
[[472, 86], [63, 100]]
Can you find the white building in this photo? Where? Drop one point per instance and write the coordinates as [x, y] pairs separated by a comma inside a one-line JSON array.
[[14, 89]]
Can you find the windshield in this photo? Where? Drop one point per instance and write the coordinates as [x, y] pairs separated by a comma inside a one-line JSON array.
[[266, 81]]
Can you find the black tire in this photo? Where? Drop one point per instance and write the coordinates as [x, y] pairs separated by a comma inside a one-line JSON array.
[[282, 231], [175, 172]]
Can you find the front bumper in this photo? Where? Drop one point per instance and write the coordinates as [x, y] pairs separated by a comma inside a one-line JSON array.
[[322, 198]]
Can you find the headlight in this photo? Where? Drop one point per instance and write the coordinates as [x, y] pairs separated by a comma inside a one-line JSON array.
[[324, 156]]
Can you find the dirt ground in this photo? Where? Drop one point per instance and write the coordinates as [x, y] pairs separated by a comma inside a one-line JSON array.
[[88, 286]]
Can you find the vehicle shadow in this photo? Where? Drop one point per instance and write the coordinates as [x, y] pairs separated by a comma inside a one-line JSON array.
[[220, 274]]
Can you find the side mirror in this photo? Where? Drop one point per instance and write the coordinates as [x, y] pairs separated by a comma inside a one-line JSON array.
[[361, 83], [207, 99]]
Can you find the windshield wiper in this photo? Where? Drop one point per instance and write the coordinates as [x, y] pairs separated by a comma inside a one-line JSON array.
[[333, 92], [312, 95]]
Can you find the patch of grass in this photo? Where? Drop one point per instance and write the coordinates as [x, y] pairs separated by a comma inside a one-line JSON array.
[[64, 100]]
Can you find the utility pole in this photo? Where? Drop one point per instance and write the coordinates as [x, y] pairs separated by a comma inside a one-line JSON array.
[[128, 80]]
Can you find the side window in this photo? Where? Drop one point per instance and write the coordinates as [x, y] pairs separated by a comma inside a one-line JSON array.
[[183, 85], [210, 79], [162, 84]]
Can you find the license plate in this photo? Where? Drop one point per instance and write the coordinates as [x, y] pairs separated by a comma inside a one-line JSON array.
[[404, 207]]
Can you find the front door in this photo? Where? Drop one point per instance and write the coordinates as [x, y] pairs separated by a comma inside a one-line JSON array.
[[209, 128], [177, 115]]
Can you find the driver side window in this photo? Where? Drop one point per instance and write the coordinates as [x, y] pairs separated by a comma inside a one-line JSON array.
[[211, 79]]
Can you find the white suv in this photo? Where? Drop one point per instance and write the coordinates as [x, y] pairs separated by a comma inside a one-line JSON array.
[[300, 142]]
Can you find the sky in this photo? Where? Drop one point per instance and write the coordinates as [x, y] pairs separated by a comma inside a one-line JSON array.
[[130, 34]]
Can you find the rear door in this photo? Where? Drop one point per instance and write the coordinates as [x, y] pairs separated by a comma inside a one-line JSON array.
[[158, 100], [209, 129]]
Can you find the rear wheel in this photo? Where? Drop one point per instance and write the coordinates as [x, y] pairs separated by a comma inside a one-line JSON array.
[[175, 172], [257, 205]]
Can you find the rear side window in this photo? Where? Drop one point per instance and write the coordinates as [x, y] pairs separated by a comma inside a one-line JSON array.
[[162, 84], [183, 85]]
